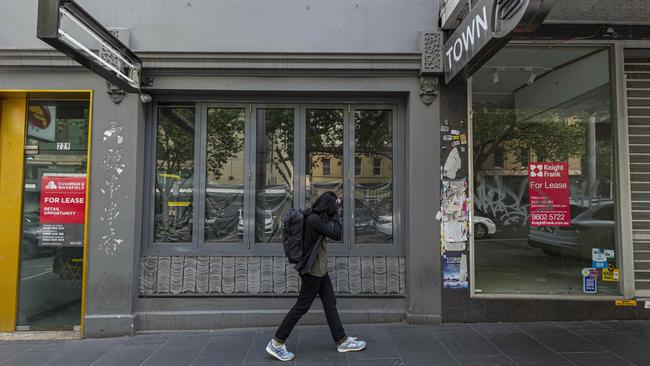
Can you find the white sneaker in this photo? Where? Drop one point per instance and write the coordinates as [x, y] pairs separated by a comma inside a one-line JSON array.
[[280, 352], [351, 345]]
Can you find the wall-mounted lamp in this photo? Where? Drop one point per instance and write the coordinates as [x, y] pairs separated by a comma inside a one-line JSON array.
[[531, 77], [495, 77]]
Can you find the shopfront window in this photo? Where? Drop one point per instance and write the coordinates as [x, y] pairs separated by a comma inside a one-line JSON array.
[[224, 191], [248, 160], [373, 204], [544, 195], [174, 175], [274, 181]]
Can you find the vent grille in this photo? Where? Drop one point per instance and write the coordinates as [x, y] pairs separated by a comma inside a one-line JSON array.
[[637, 72]]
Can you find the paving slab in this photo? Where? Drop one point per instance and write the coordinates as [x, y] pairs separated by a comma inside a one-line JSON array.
[[487, 344]]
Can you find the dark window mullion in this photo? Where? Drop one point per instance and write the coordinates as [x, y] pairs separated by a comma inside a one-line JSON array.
[[348, 176], [200, 174], [250, 147]]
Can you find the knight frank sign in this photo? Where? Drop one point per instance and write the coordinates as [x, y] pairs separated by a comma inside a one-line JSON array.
[[487, 27]]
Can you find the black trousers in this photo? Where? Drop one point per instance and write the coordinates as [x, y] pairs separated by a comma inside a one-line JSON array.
[[310, 287]]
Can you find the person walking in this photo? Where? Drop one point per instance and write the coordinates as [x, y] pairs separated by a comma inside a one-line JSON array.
[[322, 222]]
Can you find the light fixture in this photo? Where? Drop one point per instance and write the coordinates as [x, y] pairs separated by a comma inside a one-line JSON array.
[[495, 77], [531, 77]]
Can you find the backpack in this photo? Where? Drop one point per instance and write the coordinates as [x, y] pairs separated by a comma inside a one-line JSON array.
[[293, 234]]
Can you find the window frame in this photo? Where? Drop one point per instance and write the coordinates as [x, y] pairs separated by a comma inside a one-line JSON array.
[[249, 246]]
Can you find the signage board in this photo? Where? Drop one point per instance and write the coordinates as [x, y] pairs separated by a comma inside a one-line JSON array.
[[62, 213], [548, 192], [67, 27], [487, 27]]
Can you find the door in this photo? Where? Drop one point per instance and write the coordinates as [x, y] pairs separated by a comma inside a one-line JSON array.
[[54, 201]]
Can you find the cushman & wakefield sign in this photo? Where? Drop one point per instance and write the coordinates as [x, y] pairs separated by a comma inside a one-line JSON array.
[[487, 27]]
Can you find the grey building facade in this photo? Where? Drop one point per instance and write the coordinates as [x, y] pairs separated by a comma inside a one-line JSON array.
[[259, 106]]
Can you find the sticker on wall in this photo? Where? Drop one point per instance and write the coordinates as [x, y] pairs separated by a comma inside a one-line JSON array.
[[548, 191], [455, 246], [455, 231], [62, 212], [628, 302], [611, 274], [609, 253], [598, 258], [454, 270], [452, 164], [444, 128], [589, 276]]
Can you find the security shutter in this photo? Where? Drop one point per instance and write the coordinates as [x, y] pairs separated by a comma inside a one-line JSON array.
[[637, 72]]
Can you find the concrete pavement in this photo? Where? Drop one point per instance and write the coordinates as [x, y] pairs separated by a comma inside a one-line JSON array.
[[548, 343]]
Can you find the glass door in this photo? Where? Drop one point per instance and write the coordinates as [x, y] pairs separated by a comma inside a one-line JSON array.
[[51, 258]]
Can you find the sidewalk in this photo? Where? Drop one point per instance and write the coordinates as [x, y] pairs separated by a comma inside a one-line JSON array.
[[549, 343]]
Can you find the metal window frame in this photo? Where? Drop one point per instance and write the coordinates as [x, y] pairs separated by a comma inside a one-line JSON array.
[[250, 247], [623, 233]]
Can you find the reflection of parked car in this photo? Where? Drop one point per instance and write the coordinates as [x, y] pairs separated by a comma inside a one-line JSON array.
[[269, 223], [483, 227], [591, 227], [385, 225], [31, 234]]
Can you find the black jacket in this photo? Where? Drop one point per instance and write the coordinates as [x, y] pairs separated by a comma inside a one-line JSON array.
[[315, 229]]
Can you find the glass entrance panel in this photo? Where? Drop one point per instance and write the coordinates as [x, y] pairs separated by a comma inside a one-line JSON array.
[[51, 258]]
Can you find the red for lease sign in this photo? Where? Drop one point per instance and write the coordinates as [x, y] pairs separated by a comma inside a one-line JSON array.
[[63, 200], [548, 191]]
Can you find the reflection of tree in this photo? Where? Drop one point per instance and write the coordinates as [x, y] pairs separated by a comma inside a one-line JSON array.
[[548, 136], [174, 159], [324, 136], [225, 138], [278, 148], [372, 133]]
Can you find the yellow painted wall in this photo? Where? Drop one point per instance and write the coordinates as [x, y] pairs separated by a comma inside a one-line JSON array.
[[12, 140]]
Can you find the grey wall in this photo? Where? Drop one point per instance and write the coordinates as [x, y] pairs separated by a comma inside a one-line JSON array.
[[247, 25]]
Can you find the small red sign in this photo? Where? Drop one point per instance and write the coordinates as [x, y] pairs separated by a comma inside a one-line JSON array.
[[548, 191], [63, 200]]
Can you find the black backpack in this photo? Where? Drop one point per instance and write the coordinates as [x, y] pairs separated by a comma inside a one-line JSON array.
[[293, 234]]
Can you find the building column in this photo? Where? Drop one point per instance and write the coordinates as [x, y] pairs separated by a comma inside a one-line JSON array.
[[115, 211]]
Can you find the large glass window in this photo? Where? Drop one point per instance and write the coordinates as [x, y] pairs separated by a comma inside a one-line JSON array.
[[254, 162], [274, 179], [174, 175], [224, 191], [324, 152], [373, 204], [544, 195]]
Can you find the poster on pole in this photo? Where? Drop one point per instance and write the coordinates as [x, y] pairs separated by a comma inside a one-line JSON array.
[[548, 191], [62, 213]]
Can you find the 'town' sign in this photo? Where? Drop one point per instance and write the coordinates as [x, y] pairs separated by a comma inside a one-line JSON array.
[[488, 27]]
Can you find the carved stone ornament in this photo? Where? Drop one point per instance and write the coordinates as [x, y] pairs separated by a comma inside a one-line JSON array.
[[431, 48], [428, 89], [117, 95]]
